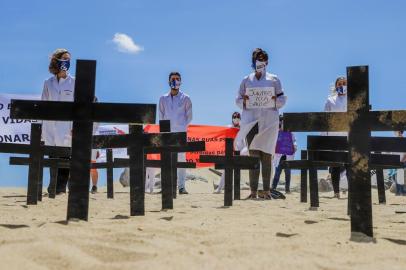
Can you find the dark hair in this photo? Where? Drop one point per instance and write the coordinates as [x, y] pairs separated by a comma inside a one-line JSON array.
[[257, 52], [53, 64], [339, 79], [236, 115], [173, 73]]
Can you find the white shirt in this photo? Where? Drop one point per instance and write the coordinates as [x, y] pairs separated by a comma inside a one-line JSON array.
[[54, 132], [177, 109], [267, 118]]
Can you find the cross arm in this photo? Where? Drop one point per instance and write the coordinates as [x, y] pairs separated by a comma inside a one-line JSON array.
[[307, 164], [316, 121], [340, 143], [75, 111], [189, 147], [387, 120], [15, 148], [49, 162], [161, 140], [237, 162]]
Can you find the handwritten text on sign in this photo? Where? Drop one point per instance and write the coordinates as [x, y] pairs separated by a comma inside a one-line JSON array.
[[260, 97]]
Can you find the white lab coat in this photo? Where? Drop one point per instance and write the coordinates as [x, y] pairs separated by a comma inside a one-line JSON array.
[[54, 132], [267, 119], [177, 109]]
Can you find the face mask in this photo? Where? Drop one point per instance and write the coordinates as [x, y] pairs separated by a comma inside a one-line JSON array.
[[341, 90], [236, 121], [63, 65], [260, 66], [175, 84]]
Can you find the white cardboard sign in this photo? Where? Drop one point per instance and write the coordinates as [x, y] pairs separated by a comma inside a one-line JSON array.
[[260, 97]]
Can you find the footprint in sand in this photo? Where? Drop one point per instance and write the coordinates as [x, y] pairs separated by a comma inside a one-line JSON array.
[[121, 217], [339, 219], [167, 218], [310, 222], [396, 241], [286, 235], [14, 226]]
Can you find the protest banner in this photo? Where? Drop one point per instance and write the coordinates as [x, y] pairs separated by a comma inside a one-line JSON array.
[[214, 136], [13, 130]]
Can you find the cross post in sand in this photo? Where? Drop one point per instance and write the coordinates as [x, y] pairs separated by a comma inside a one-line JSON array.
[[359, 121], [136, 142], [83, 111], [36, 151], [230, 162]]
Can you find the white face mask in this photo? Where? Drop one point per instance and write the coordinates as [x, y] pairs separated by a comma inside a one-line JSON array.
[[236, 121], [260, 66]]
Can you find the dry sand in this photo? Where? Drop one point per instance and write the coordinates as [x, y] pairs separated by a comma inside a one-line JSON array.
[[197, 234]]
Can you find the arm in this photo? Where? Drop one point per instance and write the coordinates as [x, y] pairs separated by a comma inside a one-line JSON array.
[[327, 107], [161, 109], [280, 96], [239, 100], [188, 111], [45, 93]]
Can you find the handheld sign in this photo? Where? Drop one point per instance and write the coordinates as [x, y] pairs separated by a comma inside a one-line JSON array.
[[260, 97]]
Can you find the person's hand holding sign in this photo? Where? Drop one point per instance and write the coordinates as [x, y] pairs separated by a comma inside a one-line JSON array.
[[245, 98]]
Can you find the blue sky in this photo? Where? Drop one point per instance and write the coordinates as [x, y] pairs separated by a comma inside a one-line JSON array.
[[209, 42]]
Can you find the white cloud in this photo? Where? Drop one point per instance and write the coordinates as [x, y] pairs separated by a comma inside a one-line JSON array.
[[126, 44]]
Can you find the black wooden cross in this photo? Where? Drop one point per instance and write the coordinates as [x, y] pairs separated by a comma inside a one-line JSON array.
[[55, 163], [359, 121], [229, 162], [378, 144], [175, 164], [136, 142], [36, 151], [83, 112]]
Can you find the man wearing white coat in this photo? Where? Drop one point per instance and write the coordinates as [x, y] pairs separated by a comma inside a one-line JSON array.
[[260, 126], [176, 106], [60, 87]]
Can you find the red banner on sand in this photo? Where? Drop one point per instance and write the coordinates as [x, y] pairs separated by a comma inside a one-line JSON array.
[[214, 136]]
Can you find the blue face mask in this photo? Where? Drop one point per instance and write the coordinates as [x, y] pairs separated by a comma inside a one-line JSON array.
[[174, 84], [63, 65], [341, 90]]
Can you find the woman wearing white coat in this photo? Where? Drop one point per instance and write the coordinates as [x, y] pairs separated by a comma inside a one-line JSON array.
[[59, 87], [260, 126]]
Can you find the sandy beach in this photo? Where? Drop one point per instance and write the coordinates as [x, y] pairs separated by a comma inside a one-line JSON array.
[[198, 234]]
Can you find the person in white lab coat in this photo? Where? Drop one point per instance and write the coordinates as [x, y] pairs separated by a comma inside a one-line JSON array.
[[235, 119], [59, 87], [337, 102], [260, 126], [176, 106]]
